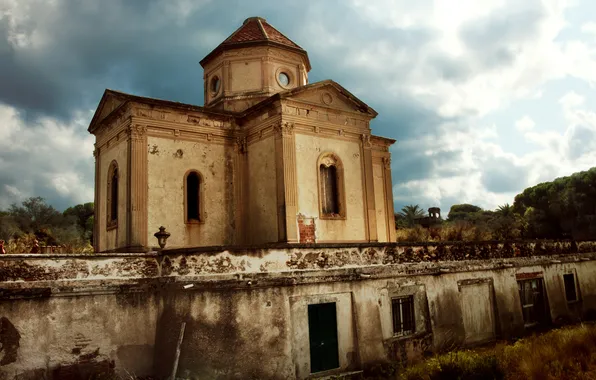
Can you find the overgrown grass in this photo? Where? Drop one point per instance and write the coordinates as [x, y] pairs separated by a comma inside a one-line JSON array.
[[447, 232], [566, 353], [25, 243]]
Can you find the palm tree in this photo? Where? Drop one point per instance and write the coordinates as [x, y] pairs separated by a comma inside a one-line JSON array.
[[408, 215], [504, 210]]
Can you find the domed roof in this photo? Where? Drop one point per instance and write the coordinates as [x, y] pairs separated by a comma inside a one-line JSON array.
[[256, 31]]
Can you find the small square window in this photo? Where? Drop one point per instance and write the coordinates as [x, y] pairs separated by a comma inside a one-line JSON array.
[[402, 309], [570, 287]]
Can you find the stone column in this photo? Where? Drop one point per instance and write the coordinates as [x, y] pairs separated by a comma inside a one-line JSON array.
[[96, 206], [287, 191], [137, 230], [369, 190], [389, 198]]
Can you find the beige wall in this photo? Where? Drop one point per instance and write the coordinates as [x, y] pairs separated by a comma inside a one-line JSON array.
[[262, 192], [116, 237], [308, 150], [380, 201], [246, 76], [169, 161]]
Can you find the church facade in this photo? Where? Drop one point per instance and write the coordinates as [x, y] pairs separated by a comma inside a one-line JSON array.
[[269, 158]]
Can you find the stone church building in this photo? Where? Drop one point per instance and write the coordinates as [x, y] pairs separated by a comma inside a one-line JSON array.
[[268, 158]]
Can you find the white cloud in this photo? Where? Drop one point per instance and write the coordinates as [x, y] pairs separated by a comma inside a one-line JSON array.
[[571, 100], [525, 123], [46, 156]]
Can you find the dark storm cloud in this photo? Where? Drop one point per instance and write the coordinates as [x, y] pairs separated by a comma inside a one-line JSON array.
[[147, 48], [500, 175], [493, 38]]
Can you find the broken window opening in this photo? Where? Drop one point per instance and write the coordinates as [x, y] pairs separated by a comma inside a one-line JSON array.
[[193, 182], [402, 309], [570, 287], [329, 190], [112, 195], [531, 296]]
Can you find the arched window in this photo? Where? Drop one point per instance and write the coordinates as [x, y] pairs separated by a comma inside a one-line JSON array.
[[331, 187], [192, 195], [112, 192]]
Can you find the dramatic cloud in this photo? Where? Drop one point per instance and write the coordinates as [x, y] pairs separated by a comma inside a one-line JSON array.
[[484, 98]]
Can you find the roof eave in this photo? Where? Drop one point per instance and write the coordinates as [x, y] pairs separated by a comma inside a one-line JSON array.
[[240, 45]]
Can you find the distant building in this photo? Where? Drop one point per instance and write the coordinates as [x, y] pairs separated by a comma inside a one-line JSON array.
[[433, 218], [268, 158]]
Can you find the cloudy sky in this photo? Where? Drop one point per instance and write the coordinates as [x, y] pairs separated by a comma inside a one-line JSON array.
[[484, 97]]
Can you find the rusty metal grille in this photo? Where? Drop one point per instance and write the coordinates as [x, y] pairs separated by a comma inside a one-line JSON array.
[[402, 309]]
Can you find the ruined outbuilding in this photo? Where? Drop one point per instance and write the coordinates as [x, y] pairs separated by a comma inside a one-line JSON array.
[[266, 154]]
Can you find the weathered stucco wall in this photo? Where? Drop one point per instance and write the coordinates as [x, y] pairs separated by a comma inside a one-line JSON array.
[[246, 309], [262, 192], [116, 237], [308, 150], [74, 337], [169, 161]]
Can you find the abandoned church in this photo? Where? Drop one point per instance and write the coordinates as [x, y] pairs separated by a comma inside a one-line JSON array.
[[269, 158], [281, 260]]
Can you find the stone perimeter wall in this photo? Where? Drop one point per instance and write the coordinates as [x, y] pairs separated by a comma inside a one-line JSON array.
[[65, 316]]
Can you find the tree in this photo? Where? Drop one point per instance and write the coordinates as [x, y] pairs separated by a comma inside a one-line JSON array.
[[505, 210], [81, 214], [34, 215], [565, 207], [463, 212], [408, 215]]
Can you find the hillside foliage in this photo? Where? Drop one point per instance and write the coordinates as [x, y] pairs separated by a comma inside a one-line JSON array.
[[562, 209]]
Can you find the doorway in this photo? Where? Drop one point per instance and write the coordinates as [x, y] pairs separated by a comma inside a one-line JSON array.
[[322, 329]]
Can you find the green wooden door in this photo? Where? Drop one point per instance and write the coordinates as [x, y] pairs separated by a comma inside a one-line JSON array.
[[322, 329]]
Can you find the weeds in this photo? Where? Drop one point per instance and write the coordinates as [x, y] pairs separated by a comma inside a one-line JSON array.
[[566, 353]]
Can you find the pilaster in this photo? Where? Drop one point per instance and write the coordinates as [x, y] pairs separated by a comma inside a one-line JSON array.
[[287, 190], [389, 199], [240, 191], [96, 205], [369, 191], [137, 229]]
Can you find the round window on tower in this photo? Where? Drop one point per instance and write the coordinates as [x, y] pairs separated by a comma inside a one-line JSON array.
[[283, 78], [215, 83]]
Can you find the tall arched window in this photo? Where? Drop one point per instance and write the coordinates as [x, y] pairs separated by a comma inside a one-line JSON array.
[[192, 195], [331, 187], [112, 198]]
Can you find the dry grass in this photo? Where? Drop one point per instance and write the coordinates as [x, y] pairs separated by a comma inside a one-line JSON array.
[[567, 353], [25, 243], [446, 232]]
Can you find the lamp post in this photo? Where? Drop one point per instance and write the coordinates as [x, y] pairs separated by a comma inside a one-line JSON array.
[[162, 236]]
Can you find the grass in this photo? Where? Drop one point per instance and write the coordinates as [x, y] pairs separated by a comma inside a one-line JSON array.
[[566, 353]]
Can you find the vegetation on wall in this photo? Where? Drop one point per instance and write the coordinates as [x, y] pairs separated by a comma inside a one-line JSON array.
[[34, 219]]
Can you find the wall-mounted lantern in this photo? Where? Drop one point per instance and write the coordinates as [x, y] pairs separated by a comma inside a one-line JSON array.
[[162, 236]]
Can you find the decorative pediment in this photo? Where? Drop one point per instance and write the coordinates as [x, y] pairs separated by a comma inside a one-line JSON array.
[[329, 94], [110, 101]]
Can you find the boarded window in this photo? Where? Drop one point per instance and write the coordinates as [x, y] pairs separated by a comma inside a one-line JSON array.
[[532, 301], [402, 309], [193, 182], [329, 190], [114, 198], [570, 287]]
